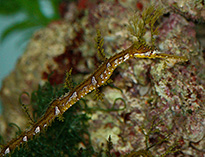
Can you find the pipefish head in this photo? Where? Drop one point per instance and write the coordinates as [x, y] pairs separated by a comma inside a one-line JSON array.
[[145, 51]]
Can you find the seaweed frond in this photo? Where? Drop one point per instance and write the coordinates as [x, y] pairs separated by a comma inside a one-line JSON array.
[[109, 147], [31, 121], [171, 149], [151, 130], [165, 137]]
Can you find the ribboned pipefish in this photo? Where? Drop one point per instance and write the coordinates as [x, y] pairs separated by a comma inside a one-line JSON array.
[[97, 79]]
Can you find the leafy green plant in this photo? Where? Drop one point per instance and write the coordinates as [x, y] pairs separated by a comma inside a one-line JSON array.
[[62, 138], [34, 16]]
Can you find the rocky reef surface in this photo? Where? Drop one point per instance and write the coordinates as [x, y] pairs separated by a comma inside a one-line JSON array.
[[155, 104]]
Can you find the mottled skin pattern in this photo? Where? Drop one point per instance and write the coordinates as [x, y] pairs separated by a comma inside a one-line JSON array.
[[97, 79]]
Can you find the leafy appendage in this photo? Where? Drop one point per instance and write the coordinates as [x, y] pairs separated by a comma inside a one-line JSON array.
[[99, 45], [136, 27], [98, 95], [68, 81], [61, 118], [140, 24], [108, 82], [143, 153]]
